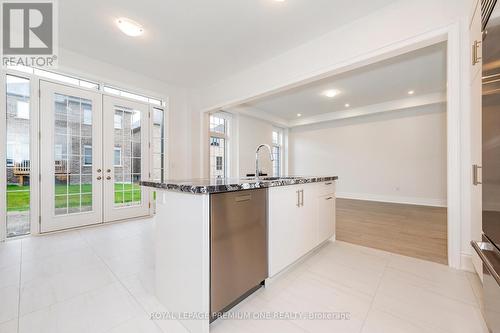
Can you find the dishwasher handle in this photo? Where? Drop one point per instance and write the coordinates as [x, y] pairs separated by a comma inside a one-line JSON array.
[[242, 198]]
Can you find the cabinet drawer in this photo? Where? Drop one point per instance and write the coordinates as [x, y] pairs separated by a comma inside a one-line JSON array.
[[326, 188]]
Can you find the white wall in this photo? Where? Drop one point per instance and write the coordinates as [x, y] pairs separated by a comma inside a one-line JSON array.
[[397, 156], [251, 133]]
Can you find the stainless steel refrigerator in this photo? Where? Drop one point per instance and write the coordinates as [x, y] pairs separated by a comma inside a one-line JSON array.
[[489, 248]]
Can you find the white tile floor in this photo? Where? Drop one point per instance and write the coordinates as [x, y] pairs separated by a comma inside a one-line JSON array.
[[101, 280]]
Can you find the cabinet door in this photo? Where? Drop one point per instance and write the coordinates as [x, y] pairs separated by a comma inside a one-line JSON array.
[[326, 217], [283, 227], [476, 45], [476, 142], [307, 222]]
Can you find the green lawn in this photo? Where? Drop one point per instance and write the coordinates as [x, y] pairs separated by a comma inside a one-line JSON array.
[[18, 197]]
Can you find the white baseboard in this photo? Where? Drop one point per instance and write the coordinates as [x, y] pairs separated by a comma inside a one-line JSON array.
[[466, 263], [393, 199]]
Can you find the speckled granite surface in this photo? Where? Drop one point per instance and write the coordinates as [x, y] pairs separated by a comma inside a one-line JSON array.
[[218, 185]]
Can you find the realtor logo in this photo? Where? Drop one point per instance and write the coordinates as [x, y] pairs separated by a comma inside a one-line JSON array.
[[28, 33]]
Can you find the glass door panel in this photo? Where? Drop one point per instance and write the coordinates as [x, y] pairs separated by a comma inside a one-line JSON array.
[[125, 143], [18, 162], [71, 157]]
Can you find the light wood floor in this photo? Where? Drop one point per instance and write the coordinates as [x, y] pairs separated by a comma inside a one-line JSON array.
[[415, 231]]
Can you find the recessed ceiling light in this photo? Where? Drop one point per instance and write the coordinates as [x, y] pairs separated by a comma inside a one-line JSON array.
[[347, 105], [411, 92], [129, 27], [299, 114], [331, 93]]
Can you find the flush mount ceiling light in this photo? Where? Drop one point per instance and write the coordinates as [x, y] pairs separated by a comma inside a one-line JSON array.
[[129, 27], [299, 114], [330, 93], [411, 92], [347, 105]]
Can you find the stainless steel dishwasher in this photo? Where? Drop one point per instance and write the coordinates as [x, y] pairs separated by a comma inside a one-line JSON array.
[[238, 246]]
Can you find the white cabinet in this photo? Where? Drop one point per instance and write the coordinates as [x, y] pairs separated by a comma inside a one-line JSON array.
[[307, 216], [283, 225], [476, 45], [326, 217], [476, 140], [300, 218]]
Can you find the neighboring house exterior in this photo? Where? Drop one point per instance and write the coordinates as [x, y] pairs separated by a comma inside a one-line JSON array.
[[18, 134]]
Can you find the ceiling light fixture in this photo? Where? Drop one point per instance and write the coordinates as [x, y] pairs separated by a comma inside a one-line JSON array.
[[331, 93], [411, 92], [129, 27], [347, 105], [299, 114]]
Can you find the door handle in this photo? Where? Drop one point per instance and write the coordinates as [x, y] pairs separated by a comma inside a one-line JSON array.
[[99, 178], [108, 171], [329, 198], [298, 198], [475, 54], [302, 197], [98, 170], [475, 175], [108, 177]]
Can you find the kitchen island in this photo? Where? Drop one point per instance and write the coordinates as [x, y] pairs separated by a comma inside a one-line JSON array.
[[298, 215]]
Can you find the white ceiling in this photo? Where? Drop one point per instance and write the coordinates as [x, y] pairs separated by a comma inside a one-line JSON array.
[[423, 71], [198, 42]]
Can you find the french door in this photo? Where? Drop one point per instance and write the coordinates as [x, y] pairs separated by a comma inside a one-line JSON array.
[[93, 152], [126, 158]]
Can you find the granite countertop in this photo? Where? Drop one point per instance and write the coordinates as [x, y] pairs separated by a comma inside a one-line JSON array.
[[218, 185]]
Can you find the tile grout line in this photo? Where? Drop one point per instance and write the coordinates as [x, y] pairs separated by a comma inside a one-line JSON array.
[[19, 288], [119, 281], [375, 294]]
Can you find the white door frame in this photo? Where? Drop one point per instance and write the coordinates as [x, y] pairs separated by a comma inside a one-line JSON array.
[[34, 151], [3, 141], [110, 212], [458, 123], [49, 220]]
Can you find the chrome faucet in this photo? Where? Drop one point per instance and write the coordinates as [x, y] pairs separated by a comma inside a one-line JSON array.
[[257, 158]]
